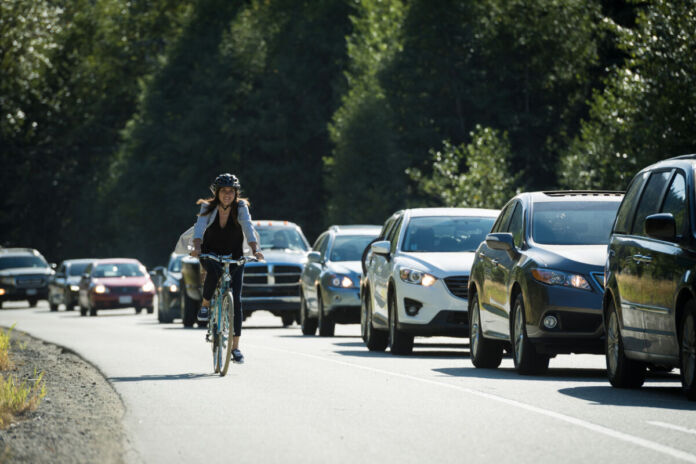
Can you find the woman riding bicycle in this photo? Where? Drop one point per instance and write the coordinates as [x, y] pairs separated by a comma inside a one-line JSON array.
[[223, 224]]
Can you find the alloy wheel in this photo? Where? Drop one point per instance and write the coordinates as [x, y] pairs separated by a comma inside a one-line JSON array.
[[475, 330], [519, 334], [613, 350]]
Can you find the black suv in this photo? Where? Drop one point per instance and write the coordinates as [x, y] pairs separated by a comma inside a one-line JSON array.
[[24, 275], [536, 284], [650, 300]]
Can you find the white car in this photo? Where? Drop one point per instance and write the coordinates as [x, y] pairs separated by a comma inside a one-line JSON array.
[[417, 274]]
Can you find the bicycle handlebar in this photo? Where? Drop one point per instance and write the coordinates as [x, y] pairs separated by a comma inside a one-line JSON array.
[[227, 258]]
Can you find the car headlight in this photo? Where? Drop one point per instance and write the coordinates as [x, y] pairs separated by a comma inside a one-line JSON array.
[[564, 279], [8, 280], [415, 277], [148, 287], [340, 281], [100, 289], [173, 288], [75, 288]]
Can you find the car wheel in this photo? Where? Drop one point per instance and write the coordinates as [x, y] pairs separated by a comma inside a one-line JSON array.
[[138, 310], [485, 353], [326, 325], [33, 302], [150, 309], [92, 310], [308, 324], [399, 342], [53, 306], [688, 351], [363, 317], [622, 371], [375, 339], [288, 319], [527, 360]]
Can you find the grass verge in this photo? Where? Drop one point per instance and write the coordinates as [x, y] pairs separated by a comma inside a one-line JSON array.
[[16, 397]]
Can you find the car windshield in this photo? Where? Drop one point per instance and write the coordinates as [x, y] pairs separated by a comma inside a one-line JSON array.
[[350, 247], [444, 234], [573, 223], [280, 238], [77, 269], [118, 270], [175, 263], [12, 262]]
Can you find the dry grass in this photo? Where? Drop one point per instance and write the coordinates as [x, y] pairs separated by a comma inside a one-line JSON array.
[[17, 398], [5, 361]]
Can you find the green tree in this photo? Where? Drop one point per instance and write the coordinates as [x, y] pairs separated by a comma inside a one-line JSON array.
[[487, 181]]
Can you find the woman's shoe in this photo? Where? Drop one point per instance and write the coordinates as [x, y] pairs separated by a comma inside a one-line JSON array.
[[203, 314]]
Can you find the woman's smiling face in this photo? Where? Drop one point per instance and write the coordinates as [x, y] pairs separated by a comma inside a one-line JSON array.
[[226, 195]]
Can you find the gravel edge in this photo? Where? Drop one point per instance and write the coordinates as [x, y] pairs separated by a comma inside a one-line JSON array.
[[79, 421]]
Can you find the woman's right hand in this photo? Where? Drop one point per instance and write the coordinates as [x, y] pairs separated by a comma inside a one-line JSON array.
[[196, 251]]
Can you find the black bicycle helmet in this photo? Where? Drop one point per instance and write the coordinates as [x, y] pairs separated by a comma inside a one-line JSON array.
[[225, 180]]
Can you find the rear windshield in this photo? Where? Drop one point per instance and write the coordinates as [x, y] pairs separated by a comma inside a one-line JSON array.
[[281, 238], [446, 233], [350, 247], [77, 269], [12, 262], [118, 270], [573, 223]]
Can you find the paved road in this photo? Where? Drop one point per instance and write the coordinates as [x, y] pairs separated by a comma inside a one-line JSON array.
[[315, 400]]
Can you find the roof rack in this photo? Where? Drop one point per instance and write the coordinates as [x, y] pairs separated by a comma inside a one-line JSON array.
[[582, 192]]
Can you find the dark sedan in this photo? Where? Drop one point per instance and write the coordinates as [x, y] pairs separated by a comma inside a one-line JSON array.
[[64, 285], [169, 289], [537, 281]]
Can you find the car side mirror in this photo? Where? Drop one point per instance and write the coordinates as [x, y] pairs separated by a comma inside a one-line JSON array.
[[661, 226], [314, 257], [382, 247], [502, 241]]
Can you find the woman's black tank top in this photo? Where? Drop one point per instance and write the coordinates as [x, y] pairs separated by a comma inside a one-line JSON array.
[[223, 240]]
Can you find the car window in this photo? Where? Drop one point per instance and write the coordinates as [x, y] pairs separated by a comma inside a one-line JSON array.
[[387, 228], [281, 238], [13, 262], [501, 224], [118, 270], [324, 245], [444, 234], [675, 202], [317, 243], [175, 263], [349, 247], [88, 269], [516, 227], [394, 234], [77, 269], [650, 200], [628, 206], [575, 222], [61, 269]]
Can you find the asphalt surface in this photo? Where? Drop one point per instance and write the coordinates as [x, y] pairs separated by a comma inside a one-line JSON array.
[[311, 399]]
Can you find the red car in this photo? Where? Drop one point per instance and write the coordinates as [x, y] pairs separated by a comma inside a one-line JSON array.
[[115, 283]]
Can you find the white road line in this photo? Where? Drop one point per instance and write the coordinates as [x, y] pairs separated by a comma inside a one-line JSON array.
[[651, 445], [673, 427]]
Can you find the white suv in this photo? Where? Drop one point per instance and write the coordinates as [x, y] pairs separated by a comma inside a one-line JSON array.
[[417, 274]]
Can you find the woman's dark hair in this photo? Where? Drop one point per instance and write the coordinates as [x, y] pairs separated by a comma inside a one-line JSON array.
[[213, 202]]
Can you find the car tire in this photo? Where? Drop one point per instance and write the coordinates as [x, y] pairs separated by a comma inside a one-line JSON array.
[[150, 309], [485, 353], [687, 352], [364, 316], [307, 324], [33, 302], [92, 310], [53, 306], [375, 339], [287, 319], [326, 324], [399, 342], [527, 360], [138, 310], [622, 371]]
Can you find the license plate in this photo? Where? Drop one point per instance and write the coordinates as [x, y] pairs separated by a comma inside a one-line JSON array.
[[31, 291], [125, 299]]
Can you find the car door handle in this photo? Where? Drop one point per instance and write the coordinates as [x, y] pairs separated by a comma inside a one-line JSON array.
[[642, 258]]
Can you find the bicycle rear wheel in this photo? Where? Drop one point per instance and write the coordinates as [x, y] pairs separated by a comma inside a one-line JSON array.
[[226, 332]]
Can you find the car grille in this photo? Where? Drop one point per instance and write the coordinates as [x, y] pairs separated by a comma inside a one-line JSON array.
[[123, 290], [598, 278], [30, 282], [458, 285], [271, 280]]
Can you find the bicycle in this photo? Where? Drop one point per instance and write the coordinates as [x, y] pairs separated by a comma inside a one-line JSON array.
[[222, 312]]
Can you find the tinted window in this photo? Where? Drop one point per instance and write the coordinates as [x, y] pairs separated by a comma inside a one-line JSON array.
[[317, 244], [387, 228], [650, 200], [11, 262], [118, 270], [573, 222], [675, 202], [501, 224], [77, 269], [280, 238], [349, 247], [393, 236], [516, 227], [324, 245], [625, 214], [446, 233]]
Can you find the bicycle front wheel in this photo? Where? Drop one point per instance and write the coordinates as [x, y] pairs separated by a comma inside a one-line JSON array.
[[226, 332]]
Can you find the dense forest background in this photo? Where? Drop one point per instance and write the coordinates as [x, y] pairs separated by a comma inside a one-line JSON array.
[[115, 116]]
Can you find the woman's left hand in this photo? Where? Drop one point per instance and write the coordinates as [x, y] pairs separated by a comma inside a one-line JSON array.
[[259, 256]]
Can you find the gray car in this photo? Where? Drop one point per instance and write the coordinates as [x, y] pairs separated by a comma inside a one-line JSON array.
[[64, 285], [331, 279]]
